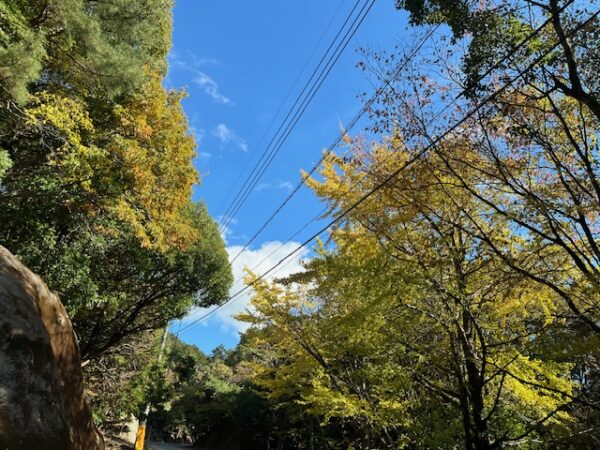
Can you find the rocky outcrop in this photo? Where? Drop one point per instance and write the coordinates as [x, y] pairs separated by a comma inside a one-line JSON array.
[[42, 400]]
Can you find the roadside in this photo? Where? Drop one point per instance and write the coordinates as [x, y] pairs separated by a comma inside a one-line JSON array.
[[165, 446], [115, 443]]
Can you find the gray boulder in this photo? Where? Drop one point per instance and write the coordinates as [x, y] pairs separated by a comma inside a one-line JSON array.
[[42, 399]]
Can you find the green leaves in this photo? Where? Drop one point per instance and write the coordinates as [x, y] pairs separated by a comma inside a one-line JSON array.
[[97, 49], [97, 168]]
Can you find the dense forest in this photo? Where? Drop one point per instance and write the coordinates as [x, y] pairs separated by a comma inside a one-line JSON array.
[[454, 300], [96, 167]]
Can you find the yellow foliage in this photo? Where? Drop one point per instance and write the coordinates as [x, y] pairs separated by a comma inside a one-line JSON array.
[[405, 301], [141, 170], [155, 153]]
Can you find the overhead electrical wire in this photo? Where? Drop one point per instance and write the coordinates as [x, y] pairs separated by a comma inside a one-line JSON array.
[[387, 82], [311, 88], [338, 139], [295, 110], [349, 126], [274, 251], [390, 177], [281, 105]]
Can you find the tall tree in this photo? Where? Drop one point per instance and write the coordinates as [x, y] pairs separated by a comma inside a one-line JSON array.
[[98, 48], [536, 140], [97, 167]]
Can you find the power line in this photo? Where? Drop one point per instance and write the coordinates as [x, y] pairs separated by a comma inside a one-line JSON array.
[[282, 104], [378, 92], [293, 112], [390, 177], [337, 140], [279, 247], [279, 139]]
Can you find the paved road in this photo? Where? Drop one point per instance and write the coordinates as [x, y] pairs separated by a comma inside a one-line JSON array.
[[163, 446]]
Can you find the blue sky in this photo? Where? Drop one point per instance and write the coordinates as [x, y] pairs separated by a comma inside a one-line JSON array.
[[237, 61]]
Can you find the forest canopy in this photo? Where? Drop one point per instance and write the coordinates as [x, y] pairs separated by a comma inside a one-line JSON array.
[[455, 300], [96, 178]]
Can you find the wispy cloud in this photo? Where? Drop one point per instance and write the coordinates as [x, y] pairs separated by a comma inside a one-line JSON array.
[[211, 88], [284, 185], [196, 130], [191, 63], [226, 232], [260, 260], [199, 134], [228, 137], [263, 186], [287, 185]]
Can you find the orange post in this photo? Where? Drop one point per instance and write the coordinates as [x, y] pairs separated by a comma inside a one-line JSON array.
[[141, 432], [141, 435]]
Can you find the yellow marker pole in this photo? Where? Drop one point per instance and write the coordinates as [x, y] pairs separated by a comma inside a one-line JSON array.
[[141, 434], [140, 437]]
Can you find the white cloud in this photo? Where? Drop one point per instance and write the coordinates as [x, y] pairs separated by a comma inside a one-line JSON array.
[[259, 261], [263, 186], [211, 88], [198, 133], [287, 185], [191, 63], [223, 133], [227, 136], [284, 185]]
